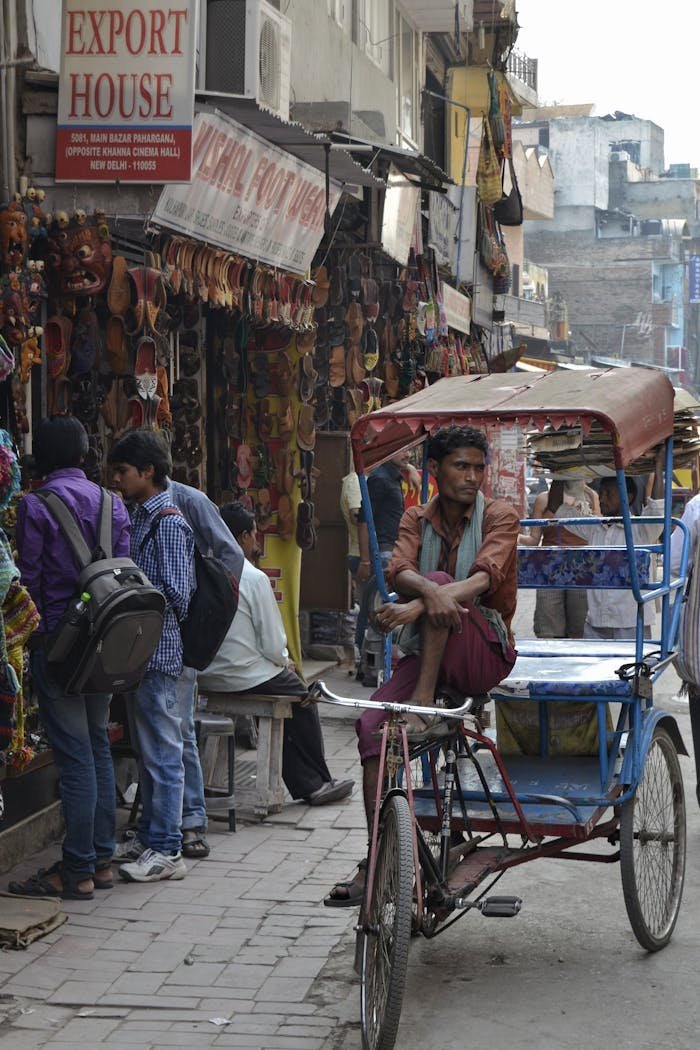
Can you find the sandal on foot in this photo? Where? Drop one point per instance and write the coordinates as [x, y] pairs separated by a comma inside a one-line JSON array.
[[196, 847], [39, 885], [348, 894], [330, 791], [434, 727], [103, 879]]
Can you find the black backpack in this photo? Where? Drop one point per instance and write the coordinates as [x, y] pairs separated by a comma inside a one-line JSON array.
[[212, 607], [106, 637]]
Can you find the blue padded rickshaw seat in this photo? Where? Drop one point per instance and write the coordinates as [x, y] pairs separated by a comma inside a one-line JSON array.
[[561, 667]]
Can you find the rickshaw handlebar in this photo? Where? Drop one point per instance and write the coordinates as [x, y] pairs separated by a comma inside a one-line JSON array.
[[319, 691]]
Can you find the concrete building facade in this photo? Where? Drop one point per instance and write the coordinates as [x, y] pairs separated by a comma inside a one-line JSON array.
[[617, 242]]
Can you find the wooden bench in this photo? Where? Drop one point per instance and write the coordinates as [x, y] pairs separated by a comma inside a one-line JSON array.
[[267, 796]]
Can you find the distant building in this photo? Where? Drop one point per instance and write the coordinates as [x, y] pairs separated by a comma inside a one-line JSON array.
[[617, 243]]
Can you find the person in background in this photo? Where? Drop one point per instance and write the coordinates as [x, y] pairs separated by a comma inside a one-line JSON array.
[[76, 726], [211, 537], [162, 545], [613, 613], [560, 613], [253, 658]]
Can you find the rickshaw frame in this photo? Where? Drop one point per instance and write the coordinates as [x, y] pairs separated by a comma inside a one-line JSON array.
[[643, 422]]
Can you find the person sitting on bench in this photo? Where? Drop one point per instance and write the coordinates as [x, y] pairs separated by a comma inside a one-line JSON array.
[[454, 566], [253, 658]]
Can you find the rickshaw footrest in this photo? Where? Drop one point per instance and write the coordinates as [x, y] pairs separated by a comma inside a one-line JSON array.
[[500, 907]]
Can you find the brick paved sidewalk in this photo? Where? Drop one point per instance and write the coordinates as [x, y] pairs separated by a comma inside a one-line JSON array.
[[243, 938]]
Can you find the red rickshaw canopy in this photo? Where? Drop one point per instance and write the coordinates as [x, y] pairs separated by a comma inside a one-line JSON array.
[[633, 405]]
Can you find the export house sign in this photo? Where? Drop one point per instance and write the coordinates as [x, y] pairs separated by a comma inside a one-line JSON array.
[[126, 91], [248, 196]]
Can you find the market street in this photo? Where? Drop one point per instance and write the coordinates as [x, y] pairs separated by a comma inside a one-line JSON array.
[[242, 953]]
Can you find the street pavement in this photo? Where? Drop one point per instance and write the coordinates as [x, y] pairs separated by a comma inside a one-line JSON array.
[[241, 953]]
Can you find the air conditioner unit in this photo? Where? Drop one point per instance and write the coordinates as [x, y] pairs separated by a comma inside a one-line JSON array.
[[247, 45]]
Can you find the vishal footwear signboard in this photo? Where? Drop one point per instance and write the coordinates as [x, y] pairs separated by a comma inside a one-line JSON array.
[[126, 91], [248, 196]]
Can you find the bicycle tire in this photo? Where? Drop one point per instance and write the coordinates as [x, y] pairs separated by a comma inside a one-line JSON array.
[[653, 844], [388, 930]]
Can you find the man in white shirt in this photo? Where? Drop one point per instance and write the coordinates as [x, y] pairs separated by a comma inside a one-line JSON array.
[[253, 658], [613, 614]]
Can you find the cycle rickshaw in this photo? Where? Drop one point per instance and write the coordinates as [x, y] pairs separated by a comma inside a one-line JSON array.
[[624, 794]]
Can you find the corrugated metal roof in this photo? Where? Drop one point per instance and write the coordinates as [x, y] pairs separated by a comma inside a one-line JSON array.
[[636, 409], [410, 162], [292, 137]]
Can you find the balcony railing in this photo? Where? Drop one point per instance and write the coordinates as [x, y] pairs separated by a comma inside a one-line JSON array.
[[523, 69]]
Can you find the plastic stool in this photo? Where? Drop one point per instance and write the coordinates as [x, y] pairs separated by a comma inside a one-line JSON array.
[[208, 729]]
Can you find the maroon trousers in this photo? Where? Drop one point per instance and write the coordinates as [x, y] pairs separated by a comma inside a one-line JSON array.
[[473, 662]]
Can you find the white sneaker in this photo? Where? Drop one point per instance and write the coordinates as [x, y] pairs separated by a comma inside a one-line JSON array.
[[152, 866], [130, 849]]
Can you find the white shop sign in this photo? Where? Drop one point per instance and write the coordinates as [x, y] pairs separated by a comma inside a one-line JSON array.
[[458, 308], [401, 202], [442, 229], [248, 196], [126, 91]]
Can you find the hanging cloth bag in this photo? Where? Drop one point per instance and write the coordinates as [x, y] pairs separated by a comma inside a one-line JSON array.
[[498, 130], [509, 210], [507, 114], [488, 172]]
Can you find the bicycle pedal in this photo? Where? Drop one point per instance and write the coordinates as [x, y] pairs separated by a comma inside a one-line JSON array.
[[500, 907]]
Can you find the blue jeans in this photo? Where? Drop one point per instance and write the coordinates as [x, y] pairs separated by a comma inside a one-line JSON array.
[[162, 774], [76, 727], [194, 814]]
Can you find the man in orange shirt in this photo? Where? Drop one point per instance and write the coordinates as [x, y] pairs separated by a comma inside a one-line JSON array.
[[454, 566]]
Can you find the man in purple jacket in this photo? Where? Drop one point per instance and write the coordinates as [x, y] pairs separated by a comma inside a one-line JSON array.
[[76, 726]]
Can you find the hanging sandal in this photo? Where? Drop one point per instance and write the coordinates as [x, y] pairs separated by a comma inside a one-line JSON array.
[[263, 509], [306, 526], [57, 337], [194, 843], [117, 346], [307, 377], [306, 429], [285, 518]]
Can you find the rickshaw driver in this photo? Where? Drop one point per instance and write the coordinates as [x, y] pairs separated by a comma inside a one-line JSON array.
[[454, 566]]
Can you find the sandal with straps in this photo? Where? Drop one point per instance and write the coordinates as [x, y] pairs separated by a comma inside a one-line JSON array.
[[194, 843], [39, 885], [348, 894]]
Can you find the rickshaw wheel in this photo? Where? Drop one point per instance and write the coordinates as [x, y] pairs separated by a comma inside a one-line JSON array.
[[652, 846], [387, 931]]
